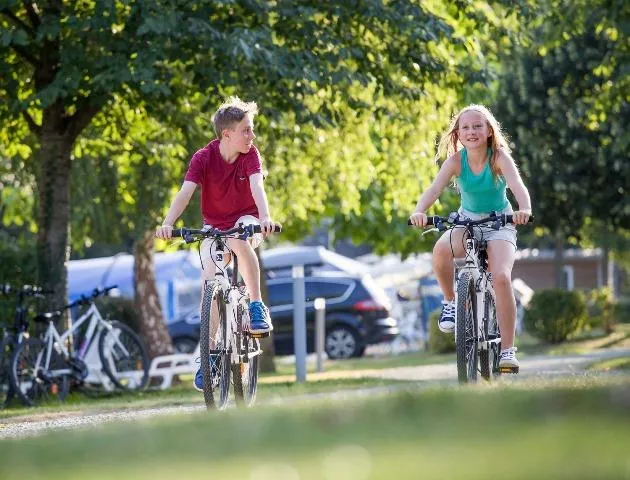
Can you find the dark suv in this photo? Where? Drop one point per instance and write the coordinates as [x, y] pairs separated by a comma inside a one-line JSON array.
[[357, 315]]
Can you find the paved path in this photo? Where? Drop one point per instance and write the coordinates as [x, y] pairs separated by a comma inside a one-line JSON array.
[[425, 375]]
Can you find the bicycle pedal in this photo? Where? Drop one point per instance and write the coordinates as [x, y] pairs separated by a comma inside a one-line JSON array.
[[513, 370], [259, 335]]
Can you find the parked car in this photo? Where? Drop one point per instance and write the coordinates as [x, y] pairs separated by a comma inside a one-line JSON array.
[[357, 315]]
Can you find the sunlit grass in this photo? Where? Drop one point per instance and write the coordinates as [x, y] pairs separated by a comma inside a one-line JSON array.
[[566, 429]]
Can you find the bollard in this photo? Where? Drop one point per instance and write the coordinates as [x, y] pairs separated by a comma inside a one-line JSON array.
[[320, 331], [299, 323]]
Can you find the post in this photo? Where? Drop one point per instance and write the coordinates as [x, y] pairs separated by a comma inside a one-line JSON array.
[[320, 331], [299, 323]]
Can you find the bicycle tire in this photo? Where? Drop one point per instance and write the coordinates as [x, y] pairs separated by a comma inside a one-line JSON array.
[[215, 371], [487, 358], [32, 383], [124, 357], [466, 329], [6, 352], [245, 374]]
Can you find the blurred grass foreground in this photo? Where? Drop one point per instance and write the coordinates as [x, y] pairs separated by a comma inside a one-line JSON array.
[[536, 428]]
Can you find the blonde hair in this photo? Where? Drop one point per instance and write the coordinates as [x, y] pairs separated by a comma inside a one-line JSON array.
[[447, 145], [232, 111]]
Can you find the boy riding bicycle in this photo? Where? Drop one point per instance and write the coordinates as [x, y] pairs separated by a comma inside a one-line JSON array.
[[484, 169], [229, 172]]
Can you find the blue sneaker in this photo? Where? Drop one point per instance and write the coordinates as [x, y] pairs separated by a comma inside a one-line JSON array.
[[214, 369], [259, 318]]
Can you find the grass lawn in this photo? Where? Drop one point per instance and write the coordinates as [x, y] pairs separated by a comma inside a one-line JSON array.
[[584, 342], [568, 428]]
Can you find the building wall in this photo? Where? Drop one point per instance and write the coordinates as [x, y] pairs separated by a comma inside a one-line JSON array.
[[540, 274]]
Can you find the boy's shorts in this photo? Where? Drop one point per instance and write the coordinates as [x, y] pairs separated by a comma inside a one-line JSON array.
[[507, 233], [254, 241]]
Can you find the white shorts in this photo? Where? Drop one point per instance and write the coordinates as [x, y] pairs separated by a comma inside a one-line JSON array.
[[507, 233], [206, 260]]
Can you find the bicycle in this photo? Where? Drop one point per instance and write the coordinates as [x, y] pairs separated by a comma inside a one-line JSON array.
[[13, 336], [477, 333], [236, 351], [45, 367]]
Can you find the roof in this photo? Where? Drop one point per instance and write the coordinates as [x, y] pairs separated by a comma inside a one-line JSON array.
[[535, 254], [286, 257]]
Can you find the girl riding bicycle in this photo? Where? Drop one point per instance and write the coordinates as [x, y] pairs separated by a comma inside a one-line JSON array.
[[484, 169]]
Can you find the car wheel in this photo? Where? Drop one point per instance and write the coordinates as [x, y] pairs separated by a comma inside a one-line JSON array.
[[184, 345], [342, 342]]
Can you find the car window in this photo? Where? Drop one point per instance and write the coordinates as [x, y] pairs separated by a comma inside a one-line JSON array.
[[325, 289], [280, 293]]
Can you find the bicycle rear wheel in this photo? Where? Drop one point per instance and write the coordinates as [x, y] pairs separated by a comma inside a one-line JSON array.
[[215, 362], [124, 357], [466, 329], [488, 357], [33, 379]]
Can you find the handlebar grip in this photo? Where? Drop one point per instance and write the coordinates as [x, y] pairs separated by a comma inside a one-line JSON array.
[[430, 221], [276, 228], [508, 219], [177, 232]]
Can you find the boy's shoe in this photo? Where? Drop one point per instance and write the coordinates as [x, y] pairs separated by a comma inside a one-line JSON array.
[[259, 318], [446, 323], [215, 364], [508, 361]]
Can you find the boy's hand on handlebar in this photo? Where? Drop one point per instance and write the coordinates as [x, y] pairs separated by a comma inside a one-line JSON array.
[[521, 217], [267, 226], [164, 232], [418, 219]]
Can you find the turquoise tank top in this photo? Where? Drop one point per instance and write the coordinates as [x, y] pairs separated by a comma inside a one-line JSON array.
[[481, 193]]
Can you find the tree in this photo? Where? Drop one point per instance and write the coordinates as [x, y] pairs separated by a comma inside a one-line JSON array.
[[560, 99]]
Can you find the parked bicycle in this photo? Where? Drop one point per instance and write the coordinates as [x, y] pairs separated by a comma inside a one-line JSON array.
[[477, 334], [231, 348], [14, 335], [108, 352]]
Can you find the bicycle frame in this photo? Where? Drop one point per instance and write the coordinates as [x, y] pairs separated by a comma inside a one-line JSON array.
[[483, 284], [53, 339], [234, 298]]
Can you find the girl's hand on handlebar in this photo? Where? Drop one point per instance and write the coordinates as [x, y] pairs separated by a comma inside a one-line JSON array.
[[418, 219], [521, 217], [164, 232]]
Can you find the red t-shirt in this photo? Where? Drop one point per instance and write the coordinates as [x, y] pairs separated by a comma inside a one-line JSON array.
[[225, 191]]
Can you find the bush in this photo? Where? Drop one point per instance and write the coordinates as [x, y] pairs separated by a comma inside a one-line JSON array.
[[553, 315], [439, 342], [600, 305]]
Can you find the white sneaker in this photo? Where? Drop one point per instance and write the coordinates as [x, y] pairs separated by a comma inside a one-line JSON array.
[[508, 360], [446, 323]]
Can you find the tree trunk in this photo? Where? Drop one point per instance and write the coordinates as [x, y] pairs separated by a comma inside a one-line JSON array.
[[147, 301], [267, 363], [53, 183], [559, 260]]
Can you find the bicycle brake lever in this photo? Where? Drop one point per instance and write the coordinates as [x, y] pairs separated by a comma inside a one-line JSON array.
[[434, 229]]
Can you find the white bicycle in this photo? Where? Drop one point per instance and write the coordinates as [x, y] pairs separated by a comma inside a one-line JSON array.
[[109, 354], [477, 334], [230, 349]]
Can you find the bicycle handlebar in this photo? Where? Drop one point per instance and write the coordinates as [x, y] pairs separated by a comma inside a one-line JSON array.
[[27, 290], [503, 218], [189, 234]]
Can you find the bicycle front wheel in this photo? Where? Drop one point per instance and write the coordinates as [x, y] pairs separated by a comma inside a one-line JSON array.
[[124, 357], [214, 348], [466, 329]]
